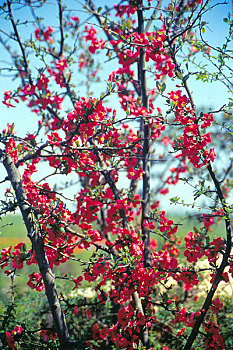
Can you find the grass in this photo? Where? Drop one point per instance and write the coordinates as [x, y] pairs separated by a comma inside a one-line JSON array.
[[12, 230]]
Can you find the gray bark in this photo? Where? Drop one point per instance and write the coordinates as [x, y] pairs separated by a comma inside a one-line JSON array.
[[40, 254]]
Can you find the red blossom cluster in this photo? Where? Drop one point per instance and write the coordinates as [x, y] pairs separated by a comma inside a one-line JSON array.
[[44, 98], [35, 282], [57, 74], [16, 256], [8, 97], [214, 338], [192, 143], [96, 44], [48, 335], [196, 249], [45, 35], [11, 337], [121, 10], [12, 149]]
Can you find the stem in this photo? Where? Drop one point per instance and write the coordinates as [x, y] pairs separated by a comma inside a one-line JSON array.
[[146, 143], [110, 37], [61, 28], [226, 255], [138, 304], [38, 246], [146, 168], [156, 10], [19, 41], [224, 263]]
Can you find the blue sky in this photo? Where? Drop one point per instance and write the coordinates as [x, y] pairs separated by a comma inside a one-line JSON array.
[[205, 94]]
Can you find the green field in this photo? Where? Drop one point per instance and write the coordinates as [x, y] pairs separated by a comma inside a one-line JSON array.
[[13, 231]]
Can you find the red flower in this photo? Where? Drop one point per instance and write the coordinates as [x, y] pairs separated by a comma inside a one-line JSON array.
[[124, 316], [77, 282], [216, 306], [8, 97]]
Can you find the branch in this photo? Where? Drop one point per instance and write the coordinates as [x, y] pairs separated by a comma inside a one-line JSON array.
[[19, 41], [156, 10], [224, 263], [226, 255], [80, 235], [99, 18], [61, 28], [110, 37], [38, 246], [116, 193], [146, 143], [190, 26]]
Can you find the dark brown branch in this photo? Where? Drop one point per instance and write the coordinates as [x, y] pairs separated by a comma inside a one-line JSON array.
[[38, 246], [226, 255], [61, 28], [19, 42], [80, 235], [98, 16], [146, 142], [227, 171], [184, 81], [116, 193], [220, 270], [145, 154], [191, 25]]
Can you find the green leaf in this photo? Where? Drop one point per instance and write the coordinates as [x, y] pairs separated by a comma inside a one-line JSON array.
[[163, 87], [179, 75], [174, 199]]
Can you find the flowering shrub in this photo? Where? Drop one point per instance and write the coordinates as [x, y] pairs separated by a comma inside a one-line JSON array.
[[143, 277]]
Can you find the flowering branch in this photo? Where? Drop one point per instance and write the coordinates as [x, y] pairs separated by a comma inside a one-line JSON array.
[[146, 142], [38, 246], [219, 274]]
